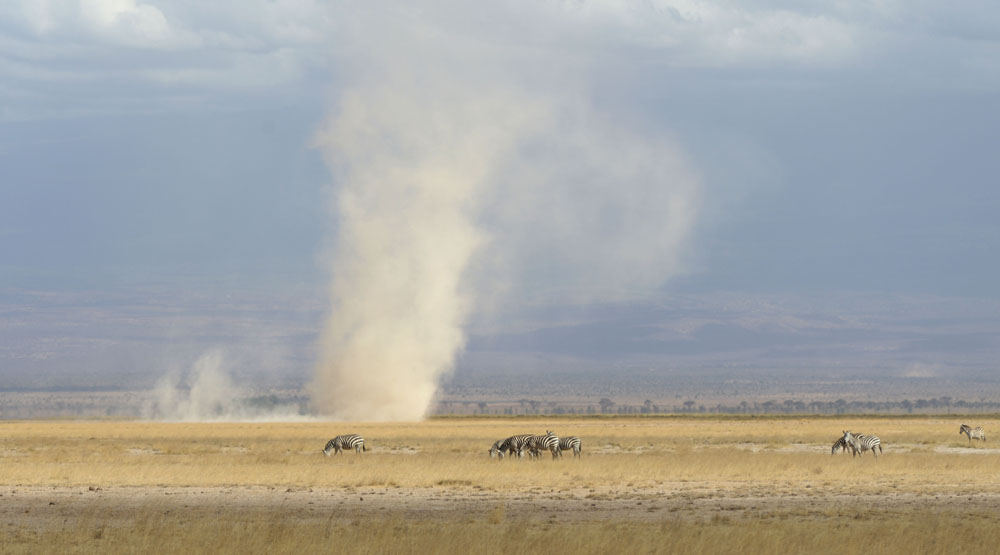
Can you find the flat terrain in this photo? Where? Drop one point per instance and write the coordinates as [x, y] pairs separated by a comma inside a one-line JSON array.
[[643, 484]]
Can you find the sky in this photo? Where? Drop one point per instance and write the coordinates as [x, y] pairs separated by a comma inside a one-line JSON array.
[[162, 166]]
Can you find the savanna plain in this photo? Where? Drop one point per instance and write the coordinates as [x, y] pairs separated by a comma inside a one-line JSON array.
[[643, 485]]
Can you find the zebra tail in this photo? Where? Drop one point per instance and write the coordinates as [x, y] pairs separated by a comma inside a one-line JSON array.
[[363, 448]]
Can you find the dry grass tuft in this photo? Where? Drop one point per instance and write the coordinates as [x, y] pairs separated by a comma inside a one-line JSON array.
[[497, 515]]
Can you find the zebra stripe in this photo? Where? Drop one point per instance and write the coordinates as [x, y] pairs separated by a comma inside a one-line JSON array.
[[862, 443], [571, 443], [349, 441], [973, 433]]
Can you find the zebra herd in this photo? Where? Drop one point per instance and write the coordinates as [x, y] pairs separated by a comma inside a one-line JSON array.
[[857, 444], [534, 445], [517, 445]]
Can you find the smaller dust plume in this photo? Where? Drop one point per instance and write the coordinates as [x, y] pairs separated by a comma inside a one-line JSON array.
[[207, 393]]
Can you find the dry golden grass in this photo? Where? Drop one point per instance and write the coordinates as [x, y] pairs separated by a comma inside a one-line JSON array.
[[617, 452], [709, 485], [270, 532]]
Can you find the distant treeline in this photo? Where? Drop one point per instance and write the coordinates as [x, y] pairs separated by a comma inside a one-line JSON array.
[[86, 405], [606, 405]]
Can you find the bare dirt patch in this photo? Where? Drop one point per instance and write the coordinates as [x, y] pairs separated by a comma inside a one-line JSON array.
[[966, 450], [143, 451], [41, 508]]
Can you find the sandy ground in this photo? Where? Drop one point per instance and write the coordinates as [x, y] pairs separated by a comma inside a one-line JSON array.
[[41, 508]]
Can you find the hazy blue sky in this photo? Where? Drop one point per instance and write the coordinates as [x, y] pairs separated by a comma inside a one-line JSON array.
[[842, 147]]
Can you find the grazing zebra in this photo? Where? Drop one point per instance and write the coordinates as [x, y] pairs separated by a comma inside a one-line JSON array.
[[549, 442], [497, 449], [841, 444], [570, 443], [349, 441], [861, 443], [973, 433], [515, 445]]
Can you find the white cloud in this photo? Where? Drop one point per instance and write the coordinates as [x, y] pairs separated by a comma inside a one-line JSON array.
[[147, 54], [124, 20], [214, 48], [699, 33]]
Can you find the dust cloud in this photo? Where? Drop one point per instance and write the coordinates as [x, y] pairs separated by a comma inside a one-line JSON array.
[[473, 168], [208, 393]]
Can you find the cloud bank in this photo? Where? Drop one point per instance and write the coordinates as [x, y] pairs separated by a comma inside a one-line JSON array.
[[62, 58]]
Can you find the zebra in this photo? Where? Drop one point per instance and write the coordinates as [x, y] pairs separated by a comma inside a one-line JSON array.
[[496, 450], [868, 443], [973, 433], [570, 443], [549, 442], [861, 443], [841, 444], [349, 441], [515, 445]]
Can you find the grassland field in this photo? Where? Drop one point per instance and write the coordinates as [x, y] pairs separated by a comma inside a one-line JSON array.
[[643, 485]]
